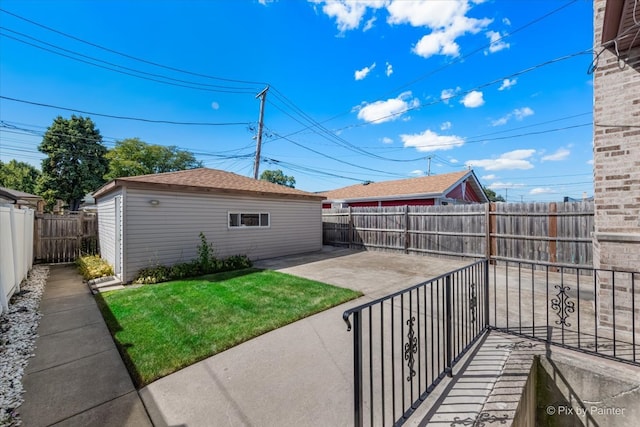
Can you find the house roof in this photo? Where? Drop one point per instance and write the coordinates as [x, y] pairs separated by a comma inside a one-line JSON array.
[[205, 180], [620, 25], [433, 186], [18, 196]]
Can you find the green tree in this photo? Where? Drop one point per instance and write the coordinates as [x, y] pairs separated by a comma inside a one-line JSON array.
[[278, 177], [132, 157], [492, 196], [75, 163], [19, 176]]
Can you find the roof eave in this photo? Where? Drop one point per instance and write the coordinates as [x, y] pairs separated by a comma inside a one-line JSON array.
[[117, 183], [385, 198]]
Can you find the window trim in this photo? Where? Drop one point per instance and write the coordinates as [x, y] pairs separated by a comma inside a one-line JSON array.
[[247, 227]]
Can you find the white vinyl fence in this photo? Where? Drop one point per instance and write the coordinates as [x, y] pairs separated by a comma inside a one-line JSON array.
[[16, 250]]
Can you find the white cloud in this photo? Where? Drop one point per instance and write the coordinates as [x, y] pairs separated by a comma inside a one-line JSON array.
[[452, 160], [503, 185], [443, 41], [361, 74], [447, 94], [417, 172], [496, 43], [507, 84], [501, 121], [387, 140], [490, 177], [445, 126], [518, 113], [426, 13], [590, 162], [541, 190], [560, 154], [215, 105], [385, 111], [369, 24], [447, 21], [517, 159], [431, 141], [265, 2], [348, 14], [521, 113], [389, 70], [506, 22], [473, 99]]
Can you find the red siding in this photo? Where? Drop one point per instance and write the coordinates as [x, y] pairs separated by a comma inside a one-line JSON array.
[[469, 194], [363, 204], [411, 202], [387, 203]]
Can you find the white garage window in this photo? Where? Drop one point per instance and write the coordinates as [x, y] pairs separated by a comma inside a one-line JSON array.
[[239, 219]]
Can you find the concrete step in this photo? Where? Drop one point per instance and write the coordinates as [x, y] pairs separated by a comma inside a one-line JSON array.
[[106, 289], [104, 284]]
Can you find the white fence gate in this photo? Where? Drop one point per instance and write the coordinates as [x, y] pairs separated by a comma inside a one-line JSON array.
[[16, 250]]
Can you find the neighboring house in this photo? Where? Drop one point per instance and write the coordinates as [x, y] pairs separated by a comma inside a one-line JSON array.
[[88, 204], [21, 199], [449, 188], [156, 219]]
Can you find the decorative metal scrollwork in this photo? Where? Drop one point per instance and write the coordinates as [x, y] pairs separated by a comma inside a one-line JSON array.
[[562, 305], [473, 304], [481, 420], [411, 348], [517, 345]]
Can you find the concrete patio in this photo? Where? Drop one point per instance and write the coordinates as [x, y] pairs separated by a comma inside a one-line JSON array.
[[298, 375]]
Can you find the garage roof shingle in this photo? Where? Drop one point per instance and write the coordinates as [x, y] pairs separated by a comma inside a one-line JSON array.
[[206, 180]]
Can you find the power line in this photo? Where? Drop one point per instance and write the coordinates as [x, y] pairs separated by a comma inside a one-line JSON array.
[[309, 171], [145, 61], [453, 62], [481, 86], [139, 119], [437, 101], [480, 49], [187, 84], [6, 126], [336, 159]]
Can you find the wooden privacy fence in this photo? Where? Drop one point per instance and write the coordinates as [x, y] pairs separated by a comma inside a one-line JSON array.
[[63, 238], [545, 232]]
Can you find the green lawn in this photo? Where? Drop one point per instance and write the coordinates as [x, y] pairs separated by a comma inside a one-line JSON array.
[[162, 328]]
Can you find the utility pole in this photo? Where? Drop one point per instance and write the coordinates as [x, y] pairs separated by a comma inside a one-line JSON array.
[[256, 166], [429, 166], [506, 194]]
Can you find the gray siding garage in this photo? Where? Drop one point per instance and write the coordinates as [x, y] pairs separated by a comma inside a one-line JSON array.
[[156, 219]]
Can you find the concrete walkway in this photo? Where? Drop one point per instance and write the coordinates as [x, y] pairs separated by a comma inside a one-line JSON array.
[[77, 377]]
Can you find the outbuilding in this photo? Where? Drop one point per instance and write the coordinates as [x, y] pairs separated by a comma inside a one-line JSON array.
[[151, 220], [453, 188]]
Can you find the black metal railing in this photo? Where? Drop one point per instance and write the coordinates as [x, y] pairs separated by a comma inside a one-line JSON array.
[[585, 309], [407, 342]]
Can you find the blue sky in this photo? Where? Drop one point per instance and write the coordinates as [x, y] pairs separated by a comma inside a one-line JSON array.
[[359, 90]]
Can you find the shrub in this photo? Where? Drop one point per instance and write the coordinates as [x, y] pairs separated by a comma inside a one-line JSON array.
[[184, 269], [206, 255], [92, 267], [151, 275], [206, 263], [235, 262]]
